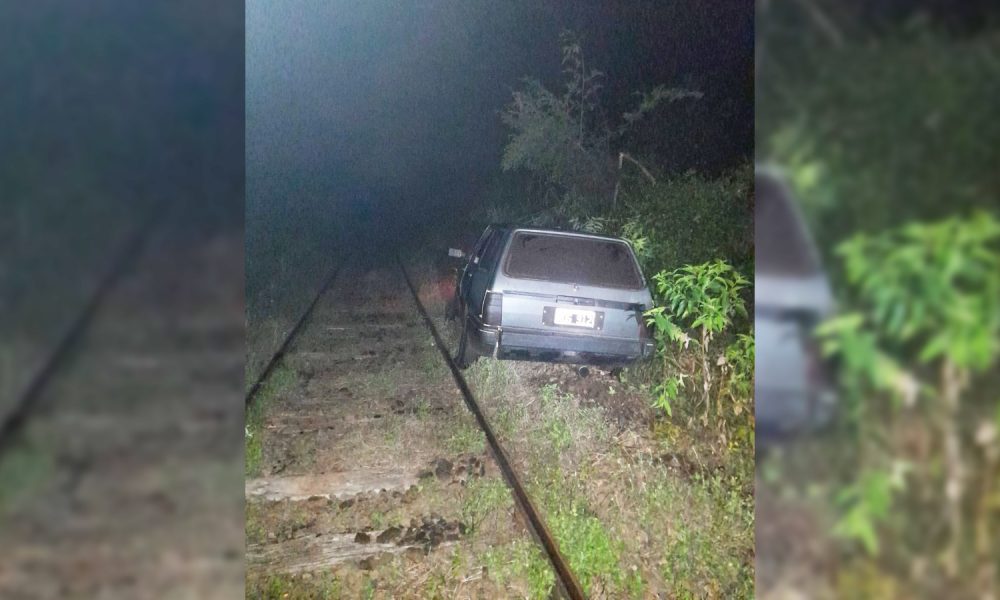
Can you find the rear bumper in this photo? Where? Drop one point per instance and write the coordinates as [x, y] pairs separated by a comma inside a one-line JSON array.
[[782, 412], [549, 346]]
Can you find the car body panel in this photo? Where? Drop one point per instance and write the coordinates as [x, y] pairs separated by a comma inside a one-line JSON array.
[[793, 390], [529, 327]]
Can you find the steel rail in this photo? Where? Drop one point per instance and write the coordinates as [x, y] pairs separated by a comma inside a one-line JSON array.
[[564, 575], [280, 353], [28, 403]]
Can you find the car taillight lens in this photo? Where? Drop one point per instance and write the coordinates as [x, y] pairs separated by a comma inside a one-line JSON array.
[[815, 371], [492, 308], [643, 328]]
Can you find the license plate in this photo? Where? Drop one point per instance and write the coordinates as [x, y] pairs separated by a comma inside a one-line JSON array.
[[574, 317]]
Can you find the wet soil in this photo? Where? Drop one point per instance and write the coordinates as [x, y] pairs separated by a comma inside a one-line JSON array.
[[622, 406]]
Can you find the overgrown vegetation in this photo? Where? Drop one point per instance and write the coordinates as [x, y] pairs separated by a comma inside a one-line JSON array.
[[485, 498], [885, 131], [888, 127], [466, 439], [681, 227], [23, 469], [568, 164], [705, 299], [585, 542], [926, 324], [629, 525], [285, 587], [281, 379], [521, 560], [583, 174]]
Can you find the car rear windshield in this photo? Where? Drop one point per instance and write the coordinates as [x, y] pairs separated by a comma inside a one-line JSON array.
[[781, 243], [572, 259]]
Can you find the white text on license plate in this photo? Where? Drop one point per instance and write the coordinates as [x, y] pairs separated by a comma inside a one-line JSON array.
[[574, 317]]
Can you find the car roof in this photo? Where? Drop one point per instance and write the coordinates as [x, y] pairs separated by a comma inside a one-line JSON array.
[[554, 231]]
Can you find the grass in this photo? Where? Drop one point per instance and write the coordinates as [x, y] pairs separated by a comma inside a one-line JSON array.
[[281, 379], [23, 469], [542, 431], [548, 393], [256, 531], [558, 433], [704, 546], [466, 439], [521, 560], [392, 429], [490, 377], [286, 587], [698, 527], [432, 364], [484, 498], [368, 592], [507, 419], [423, 408], [381, 383], [586, 543]]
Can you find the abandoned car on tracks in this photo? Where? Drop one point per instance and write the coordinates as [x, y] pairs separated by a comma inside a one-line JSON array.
[[552, 296]]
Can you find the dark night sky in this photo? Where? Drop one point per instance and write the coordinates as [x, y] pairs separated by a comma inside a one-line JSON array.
[[393, 102]]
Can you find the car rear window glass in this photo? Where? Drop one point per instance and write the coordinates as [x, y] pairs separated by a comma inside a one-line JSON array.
[[572, 259], [782, 245]]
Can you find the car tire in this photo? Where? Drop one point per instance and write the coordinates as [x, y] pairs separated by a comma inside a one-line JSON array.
[[465, 355]]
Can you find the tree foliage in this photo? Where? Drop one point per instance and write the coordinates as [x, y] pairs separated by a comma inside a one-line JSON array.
[[926, 319], [564, 138], [703, 300]]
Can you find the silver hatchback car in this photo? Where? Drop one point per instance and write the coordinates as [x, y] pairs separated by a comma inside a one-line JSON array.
[[793, 384], [551, 296]]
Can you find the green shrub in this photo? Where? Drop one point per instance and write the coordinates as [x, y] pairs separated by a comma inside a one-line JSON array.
[[482, 498], [704, 300], [927, 320]]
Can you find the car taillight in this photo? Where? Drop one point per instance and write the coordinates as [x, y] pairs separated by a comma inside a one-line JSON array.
[[815, 371], [643, 328], [492, 308]]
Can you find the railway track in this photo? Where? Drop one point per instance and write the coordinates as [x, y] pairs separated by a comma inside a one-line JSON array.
[[29, 402], [280, 353], [364, 329], [125, 448], [567, 581]]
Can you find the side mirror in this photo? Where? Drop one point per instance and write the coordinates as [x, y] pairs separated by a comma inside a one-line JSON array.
[[455, 253]]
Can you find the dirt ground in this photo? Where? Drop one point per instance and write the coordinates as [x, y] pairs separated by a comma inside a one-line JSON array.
[[123, 486], [373, 480]]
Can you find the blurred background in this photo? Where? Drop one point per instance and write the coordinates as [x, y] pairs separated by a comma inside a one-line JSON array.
[[121, 153], [877, 299]]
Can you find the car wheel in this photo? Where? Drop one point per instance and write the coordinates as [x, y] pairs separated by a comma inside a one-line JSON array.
[[466, 355]]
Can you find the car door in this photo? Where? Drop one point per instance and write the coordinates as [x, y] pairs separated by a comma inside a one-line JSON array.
[[481, 270], [472, 266]]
